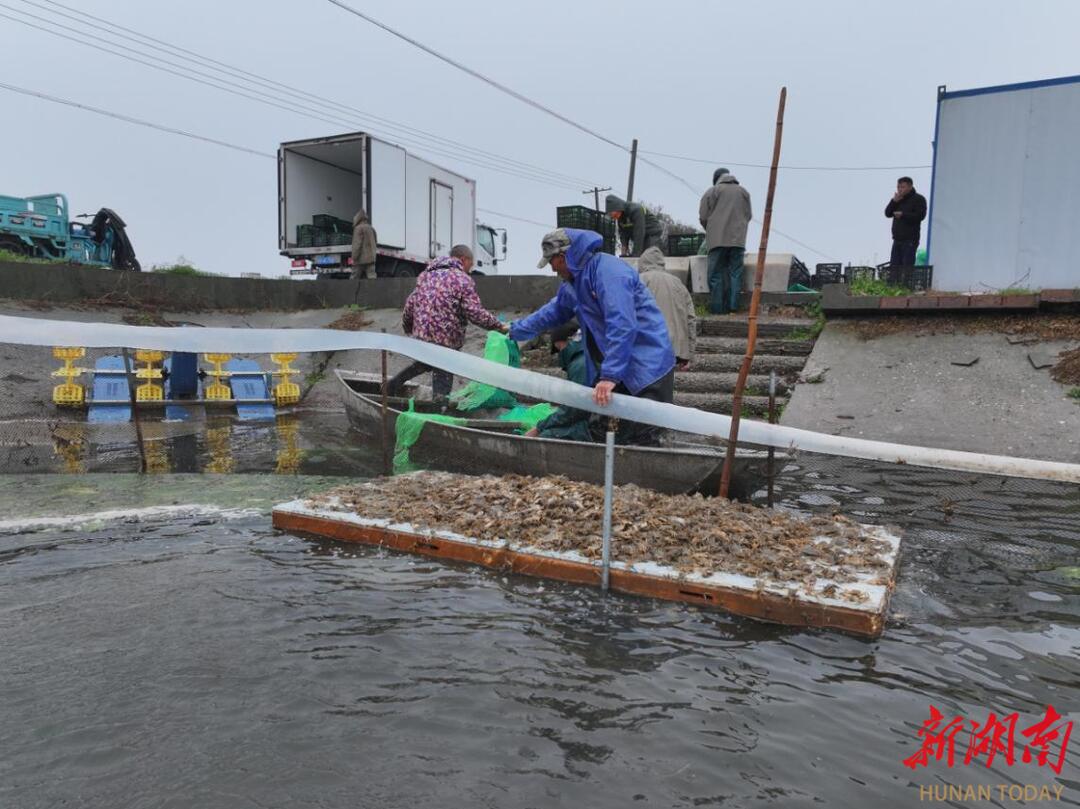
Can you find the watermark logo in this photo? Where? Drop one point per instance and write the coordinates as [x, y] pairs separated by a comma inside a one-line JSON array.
[[1043, 743]]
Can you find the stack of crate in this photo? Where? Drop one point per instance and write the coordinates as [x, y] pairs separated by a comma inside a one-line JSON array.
[[324, 231], [582, 218]]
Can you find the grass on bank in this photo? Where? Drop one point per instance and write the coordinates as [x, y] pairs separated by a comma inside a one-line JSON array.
[[182, 266], [19, 258], [878, 289]]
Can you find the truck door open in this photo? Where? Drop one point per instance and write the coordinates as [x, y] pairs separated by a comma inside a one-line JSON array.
[[442, 219]]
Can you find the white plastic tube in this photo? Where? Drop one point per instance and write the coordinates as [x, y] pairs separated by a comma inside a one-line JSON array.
[[40, 332]]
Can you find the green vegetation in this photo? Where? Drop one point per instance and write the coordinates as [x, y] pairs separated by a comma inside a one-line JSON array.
[[182, 266], [1018, 291], [314, 378], [9, 256], [877, 289], [813, 309], [1073, 393]]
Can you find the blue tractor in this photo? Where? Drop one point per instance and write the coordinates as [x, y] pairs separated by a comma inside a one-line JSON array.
[[39, 227]]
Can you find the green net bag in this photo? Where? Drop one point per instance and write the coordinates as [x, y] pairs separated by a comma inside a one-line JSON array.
[[476, 395], [407, 431]]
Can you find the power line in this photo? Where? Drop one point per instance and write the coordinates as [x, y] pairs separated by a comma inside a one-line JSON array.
[[478, 75], [516, 218], [536, 175], [184, 133], [130, 120], [272, 84], [790, 168]]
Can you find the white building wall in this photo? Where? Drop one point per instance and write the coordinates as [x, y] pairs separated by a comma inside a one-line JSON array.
[[1006, 195]]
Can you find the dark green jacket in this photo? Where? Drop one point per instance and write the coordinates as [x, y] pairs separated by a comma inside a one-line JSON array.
[[569, 423]]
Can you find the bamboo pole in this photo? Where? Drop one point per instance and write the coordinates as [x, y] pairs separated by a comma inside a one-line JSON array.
[[755, 301], [383, 391]]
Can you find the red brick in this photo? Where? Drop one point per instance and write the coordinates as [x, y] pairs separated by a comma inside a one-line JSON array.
[[899, 302], [953, 301], [984, 301], [923, 302], [1020, 301], [1060, 295]]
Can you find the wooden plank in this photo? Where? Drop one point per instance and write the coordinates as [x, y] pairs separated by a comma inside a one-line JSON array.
[[740, 595]]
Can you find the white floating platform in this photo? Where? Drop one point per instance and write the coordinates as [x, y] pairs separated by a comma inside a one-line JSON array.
[[858, 607]]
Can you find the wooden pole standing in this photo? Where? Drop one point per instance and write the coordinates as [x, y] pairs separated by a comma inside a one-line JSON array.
[[755, 301], [383, 391]]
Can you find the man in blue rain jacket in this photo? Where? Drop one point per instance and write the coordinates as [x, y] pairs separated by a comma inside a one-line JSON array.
[[627, 349]]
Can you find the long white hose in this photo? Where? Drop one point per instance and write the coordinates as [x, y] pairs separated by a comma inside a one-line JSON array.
[[39, 332]]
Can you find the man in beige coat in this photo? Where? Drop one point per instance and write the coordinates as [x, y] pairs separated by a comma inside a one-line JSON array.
[[363, 246], [725, 214], [675, 304]]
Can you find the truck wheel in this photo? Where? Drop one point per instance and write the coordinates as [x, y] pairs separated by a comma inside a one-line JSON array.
[[16, 246], [403, 269]]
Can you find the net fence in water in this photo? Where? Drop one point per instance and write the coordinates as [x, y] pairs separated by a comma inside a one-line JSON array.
[[1029, 509]]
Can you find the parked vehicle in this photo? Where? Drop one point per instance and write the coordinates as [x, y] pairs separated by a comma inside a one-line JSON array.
[[40, 227], [419, 210]]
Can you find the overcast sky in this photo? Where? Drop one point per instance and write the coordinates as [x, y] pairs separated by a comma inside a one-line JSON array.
[[694, 79]]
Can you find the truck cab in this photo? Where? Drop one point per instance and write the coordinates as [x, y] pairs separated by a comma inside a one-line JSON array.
[[490, 249]]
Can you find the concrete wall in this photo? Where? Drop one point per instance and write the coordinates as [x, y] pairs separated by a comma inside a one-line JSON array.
[[61, 283]]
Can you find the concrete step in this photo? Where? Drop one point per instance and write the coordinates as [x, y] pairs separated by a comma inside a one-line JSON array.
[[690, 382], [766, 345], [721, 403], [721, 326], [730, 363]]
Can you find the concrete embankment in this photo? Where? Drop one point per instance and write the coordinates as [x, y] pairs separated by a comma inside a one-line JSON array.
[[60, 284], [940, 387]]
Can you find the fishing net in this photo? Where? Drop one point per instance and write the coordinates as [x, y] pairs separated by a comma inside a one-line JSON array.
[[407, 431], [528, 417], [476, 395]]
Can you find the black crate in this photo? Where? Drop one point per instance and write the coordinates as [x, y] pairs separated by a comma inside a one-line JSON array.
[[827, 274], [914, 278], [340, 238], [799, 274], [577, 216], [305, 235], [322, 237], [684, 244], [853, 274], [325, 221], [582, 218]]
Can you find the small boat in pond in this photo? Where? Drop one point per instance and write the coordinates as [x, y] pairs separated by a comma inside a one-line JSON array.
[[490, 446]]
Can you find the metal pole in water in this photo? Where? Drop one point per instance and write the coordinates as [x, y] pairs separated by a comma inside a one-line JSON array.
[[609, 479], [134, 409], [772, 420], [385, 415]]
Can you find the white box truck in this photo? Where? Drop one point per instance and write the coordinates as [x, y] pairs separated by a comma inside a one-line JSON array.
[[419, 210]]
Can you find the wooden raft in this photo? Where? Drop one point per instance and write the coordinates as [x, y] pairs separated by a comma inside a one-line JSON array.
[[787, 604]]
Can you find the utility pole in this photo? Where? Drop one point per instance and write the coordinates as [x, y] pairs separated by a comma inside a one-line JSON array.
[[633, 165], [595, 191]]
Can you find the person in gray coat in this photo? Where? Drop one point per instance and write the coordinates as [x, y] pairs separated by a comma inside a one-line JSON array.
[[363, 246], [725, 214], [675, 304], [638, 226]]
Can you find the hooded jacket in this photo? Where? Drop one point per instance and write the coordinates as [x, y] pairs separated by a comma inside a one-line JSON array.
[[616, 312], [674, 301], [363, 239], [569, 423], [638, 224], [725, 213]]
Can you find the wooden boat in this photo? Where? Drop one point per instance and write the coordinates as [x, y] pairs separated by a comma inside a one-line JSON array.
[[485, 445]]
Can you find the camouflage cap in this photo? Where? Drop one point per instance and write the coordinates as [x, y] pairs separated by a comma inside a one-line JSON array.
[[553, 244]]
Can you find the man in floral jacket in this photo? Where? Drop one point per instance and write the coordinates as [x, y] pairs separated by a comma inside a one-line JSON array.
[[437, 311]]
